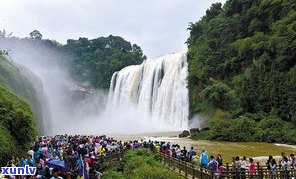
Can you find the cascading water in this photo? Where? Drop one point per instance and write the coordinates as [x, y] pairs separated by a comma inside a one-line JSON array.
[[151, 97], [157, 89]]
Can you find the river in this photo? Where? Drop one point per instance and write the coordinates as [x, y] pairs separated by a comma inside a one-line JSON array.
[[257, 150]]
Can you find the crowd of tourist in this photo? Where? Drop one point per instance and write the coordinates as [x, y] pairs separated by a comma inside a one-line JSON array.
[[67, 157], [79, 156], [240, 166]]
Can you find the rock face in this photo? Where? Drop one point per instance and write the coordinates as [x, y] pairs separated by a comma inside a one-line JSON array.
[[26, 84], [194, 132], [17, 122], [185, 133]]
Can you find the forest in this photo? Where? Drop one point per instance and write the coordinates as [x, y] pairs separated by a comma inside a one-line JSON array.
[[242, 71], [91, 61], [17, 121], [96, 60]]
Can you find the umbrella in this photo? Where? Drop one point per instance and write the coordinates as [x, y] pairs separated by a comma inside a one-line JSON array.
[[55, 163]]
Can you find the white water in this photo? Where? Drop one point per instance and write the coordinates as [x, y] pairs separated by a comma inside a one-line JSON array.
[[131, 109], [156, 89]]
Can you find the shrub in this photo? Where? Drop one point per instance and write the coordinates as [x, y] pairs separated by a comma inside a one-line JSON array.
[[273, 129], [111, 174], [154, 172]]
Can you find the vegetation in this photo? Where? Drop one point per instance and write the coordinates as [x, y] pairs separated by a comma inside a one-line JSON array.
[[17, 124], [96, 60], [88, 61], [242, 71], [141, 164], [22, 82]]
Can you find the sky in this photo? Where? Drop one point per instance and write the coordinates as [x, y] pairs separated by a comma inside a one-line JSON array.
[[157, 26]]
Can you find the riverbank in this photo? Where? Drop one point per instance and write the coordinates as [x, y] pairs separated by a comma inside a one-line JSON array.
[[257, 150]]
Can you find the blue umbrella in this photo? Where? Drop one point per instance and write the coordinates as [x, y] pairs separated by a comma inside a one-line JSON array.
[[55, 163]]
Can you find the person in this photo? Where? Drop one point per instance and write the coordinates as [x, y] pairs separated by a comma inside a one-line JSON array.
[[221, 171], [46, 173], [102, 151], [273, 169], [286, 166], [252, 168], [243, 167], [268, 163], [173, 151], [29, 160], [21, 162], [293, 161], [213, 167], [90, 159], [191, 153], [184, 154], [219, 159], [39, 168], [157, 147], [178, 152], [56, 174], [237, 167], [203, 159]]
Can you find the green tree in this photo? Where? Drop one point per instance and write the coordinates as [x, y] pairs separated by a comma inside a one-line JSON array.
[[35, 34], [96, 60], [242, 60]]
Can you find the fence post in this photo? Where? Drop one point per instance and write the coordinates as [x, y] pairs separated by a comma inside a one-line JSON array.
[[227, 170], [174, 164], [180, 166], [258, 166], [260, 171], [185, 167], [192, 170], [201, 172]]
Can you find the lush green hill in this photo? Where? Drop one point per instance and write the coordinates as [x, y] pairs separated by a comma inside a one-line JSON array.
[[87, 60], [17, 122], [96, 60], [242, 71]]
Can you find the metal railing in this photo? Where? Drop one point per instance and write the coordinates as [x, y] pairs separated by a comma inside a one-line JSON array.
[[261, 171], [185, 168], [190, 170]]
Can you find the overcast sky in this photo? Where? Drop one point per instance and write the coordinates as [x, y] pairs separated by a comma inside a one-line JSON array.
[[158, 26]]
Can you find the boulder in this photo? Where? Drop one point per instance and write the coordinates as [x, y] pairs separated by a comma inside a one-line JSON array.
[[194, 132], [185, 133]]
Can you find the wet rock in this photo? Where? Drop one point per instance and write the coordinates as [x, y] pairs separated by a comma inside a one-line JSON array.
[[194, 132], [185, 133]]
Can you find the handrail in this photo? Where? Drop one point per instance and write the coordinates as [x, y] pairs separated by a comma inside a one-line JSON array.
[[193, 171], [190, 170]]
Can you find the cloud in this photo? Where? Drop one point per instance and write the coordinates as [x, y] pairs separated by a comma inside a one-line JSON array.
[[158, 26]]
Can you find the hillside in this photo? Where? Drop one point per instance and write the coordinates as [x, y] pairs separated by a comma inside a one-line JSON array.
[[95, 60], [17, 122], [242, 71], [88, 61]]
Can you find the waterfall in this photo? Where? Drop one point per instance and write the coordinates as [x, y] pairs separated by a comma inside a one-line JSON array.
[[157, 89]]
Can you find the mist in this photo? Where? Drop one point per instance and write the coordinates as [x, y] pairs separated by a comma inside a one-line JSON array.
[[198, 121], [71, 110]]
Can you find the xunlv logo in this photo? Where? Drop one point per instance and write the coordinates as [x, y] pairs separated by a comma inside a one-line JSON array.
[[27, 170]]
